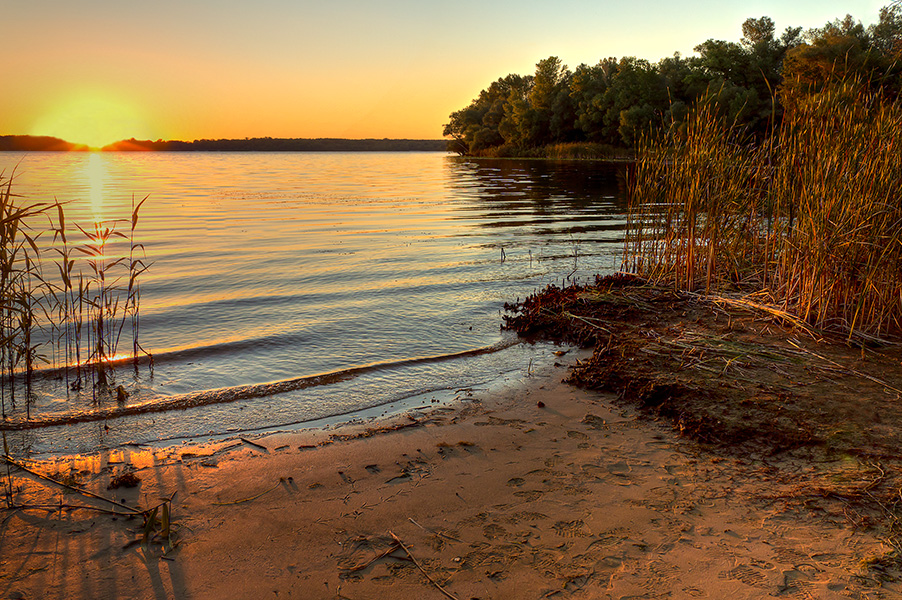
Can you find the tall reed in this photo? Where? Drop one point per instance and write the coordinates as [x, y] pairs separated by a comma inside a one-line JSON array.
[[73, 321], [811, 217], [20, 284]]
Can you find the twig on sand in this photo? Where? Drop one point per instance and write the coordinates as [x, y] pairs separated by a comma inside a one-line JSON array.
[[422, 570], [11, 461], [771, 310], [585, 320], [434, 532], [255, 444], [281, 481], [56, 507], [379, 556]]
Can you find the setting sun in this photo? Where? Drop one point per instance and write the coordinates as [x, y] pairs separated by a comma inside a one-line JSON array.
[[94, 119]]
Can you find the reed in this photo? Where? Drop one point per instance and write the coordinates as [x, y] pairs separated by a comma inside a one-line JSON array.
[[75, 321], [810, 219], [21, 283]]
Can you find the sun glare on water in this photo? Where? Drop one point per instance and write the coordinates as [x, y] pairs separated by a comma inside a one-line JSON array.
[[93, 119], [96, 175]]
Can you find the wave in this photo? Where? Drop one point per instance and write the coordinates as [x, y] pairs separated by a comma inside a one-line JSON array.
[[244, 392]]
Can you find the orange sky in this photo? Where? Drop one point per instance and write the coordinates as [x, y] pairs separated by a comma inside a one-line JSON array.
[[96, 71]]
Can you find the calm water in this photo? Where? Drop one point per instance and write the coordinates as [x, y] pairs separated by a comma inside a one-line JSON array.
[[271, 269]]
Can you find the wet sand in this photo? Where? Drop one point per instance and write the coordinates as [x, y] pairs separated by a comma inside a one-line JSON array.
[[494, 497]]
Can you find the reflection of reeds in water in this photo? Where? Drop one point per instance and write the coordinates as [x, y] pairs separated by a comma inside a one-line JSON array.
[[811, 218], [84, 311]]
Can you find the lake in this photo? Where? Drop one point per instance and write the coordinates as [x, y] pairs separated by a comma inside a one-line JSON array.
[[291, 287]]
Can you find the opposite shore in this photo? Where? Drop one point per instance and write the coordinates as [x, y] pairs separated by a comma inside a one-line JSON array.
[[28, 143]]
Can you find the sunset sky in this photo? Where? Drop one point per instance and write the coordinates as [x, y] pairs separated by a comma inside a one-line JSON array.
[[96, 71]]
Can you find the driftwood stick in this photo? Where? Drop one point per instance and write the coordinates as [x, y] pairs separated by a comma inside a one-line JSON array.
[[434, 531], [847, 370], [422, 570], [11, 461], [247, 441], [379, 556], [56, 507], [280, 482]]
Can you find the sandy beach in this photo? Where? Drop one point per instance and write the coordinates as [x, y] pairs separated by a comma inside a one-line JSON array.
[[536, 489]]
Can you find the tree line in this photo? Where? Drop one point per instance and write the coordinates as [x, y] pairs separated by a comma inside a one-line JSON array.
[[269, 144], [31, 143], [610, 104], [37, 143]]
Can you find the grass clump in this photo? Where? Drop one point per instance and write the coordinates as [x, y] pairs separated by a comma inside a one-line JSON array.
[[70, 318], [809, 220]]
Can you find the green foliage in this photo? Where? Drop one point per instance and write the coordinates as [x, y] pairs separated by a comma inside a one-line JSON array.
[[617, 101], [844, 49]]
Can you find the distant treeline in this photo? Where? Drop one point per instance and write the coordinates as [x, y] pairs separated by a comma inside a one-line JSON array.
[[612, 103], [36, 143], [31, 143], [280, 145]]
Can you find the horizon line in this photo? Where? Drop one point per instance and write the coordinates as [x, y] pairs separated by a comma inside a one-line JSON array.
[[14, 142]]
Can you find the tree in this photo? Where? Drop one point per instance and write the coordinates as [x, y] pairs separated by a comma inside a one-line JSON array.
[[839, 50], [587, 93], [477, 126], [615, 100], [636, 99]]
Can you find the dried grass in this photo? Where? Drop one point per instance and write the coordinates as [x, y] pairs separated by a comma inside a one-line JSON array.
[[810, 219]]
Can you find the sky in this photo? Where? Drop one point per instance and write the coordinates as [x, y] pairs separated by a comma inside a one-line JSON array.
[[97, 71]]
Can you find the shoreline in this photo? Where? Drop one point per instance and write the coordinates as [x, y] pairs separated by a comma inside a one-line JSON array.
[[219, 396], [167, 423], [494, 497]]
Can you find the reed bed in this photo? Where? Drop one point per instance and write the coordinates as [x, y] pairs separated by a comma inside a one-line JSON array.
[[71, 318], [809, 220]]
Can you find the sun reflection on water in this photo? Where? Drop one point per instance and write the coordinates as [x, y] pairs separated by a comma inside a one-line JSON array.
[[97, 175]]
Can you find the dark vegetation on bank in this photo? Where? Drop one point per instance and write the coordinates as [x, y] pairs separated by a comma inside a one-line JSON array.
[[40, 143], [602, 110]]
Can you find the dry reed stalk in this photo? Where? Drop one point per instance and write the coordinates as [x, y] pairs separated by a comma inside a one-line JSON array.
[[77, 319], [812, 216]]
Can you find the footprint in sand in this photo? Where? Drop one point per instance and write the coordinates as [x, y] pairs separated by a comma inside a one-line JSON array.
[[693, 592], [575, 528], [529, 495], [516, 481], [747, 575], [619, 468], [594, 471], [525, 516], [797, 584], [493, 531], [595, 422], [661, 575]]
